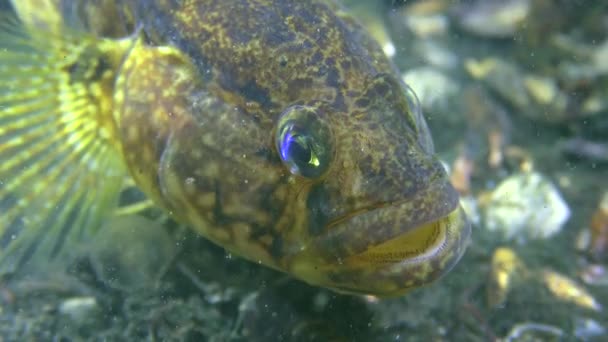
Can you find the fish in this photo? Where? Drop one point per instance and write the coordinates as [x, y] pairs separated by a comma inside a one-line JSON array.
[[278, 130]]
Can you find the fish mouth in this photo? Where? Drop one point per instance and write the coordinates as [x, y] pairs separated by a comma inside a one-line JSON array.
[[365, 228], [387, 250], [416, 258]]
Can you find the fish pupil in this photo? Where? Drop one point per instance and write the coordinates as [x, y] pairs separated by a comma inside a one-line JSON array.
[[297, 148]]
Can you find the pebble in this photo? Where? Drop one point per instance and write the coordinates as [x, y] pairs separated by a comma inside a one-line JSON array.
[[526, 206]]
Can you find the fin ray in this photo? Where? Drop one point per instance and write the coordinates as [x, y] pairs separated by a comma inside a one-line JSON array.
[[60, 172], [57, 164], [29, 140]]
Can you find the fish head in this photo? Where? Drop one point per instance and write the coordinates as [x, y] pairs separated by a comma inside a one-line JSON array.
[[379, 214]]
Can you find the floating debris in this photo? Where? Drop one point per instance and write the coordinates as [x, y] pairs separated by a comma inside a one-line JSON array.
[[568, 290], [525, 206]]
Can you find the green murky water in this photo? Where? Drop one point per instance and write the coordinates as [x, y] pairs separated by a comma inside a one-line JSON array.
[[509, 88]]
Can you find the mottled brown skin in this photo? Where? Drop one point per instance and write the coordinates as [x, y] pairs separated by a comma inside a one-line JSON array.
[[197, 102]]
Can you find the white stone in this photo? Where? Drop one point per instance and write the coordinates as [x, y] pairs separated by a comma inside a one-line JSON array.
[[526, 206]]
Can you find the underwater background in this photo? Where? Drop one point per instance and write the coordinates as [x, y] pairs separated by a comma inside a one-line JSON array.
[[515, 93]]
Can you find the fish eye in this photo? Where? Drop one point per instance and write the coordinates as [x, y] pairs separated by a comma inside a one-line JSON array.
[[303, 141]]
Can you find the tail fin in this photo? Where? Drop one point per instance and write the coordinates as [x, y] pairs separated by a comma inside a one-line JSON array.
[[60, 170]]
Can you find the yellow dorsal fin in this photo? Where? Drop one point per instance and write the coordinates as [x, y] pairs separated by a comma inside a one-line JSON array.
[[60, 166]]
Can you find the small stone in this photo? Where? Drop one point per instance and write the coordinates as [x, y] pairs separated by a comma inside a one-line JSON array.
[[502, 77], [506, 269], [526, 206], [427, 25], [600, 58], [436, 54], [546, 93], [595, 103], [493, 19], [80, 312], [566, 289], [543, 89], [587, 329]]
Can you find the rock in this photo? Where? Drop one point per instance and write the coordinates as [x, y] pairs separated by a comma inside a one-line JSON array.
[[493, 19], [436, 54], [80, 313], [526, 206], [502, 77]]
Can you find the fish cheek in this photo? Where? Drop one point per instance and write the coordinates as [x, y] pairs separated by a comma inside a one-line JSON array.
[[317, 204], [195, 155], [212, 179]]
